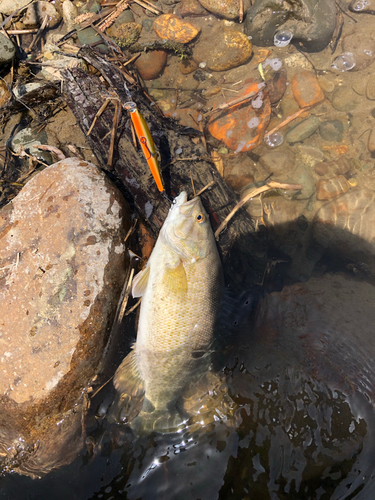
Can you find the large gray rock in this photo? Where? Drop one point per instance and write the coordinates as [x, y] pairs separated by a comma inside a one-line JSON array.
[[62, 267], [7, 50], [311, 21]]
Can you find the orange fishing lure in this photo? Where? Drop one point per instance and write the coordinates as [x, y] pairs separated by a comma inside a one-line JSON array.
[[145, 140]]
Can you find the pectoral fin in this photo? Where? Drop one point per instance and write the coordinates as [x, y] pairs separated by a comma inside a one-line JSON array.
[[140, 282], [175, 279], [127, 379]]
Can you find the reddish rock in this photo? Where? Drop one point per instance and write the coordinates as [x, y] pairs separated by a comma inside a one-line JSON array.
[[277, 85], [326, 189], [241, 127], [171, 27], [340, 166], [306, 89], [191, 8], [151, 64], [62, 262]]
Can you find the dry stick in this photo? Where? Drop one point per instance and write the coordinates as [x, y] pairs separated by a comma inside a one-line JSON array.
[[38, 35], [101, 387], [134, 307], [116, 120], [240, 17], [131, 230], [287, 120], [205, 187], [108, 21], [21, 32], [132, 59], [100, 112], [126, 297], [203, 139], [147, 5], [233, 102], [60, 155], [252, 194]]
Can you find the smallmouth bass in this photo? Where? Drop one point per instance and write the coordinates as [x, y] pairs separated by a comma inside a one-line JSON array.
[[181, 289]]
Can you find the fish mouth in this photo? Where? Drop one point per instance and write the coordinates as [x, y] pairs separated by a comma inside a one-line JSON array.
[[187, 207], [181, 199]]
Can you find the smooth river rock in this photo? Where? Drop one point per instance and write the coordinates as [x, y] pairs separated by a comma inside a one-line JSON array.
[[62, 268], [223, 49], [311, 21]]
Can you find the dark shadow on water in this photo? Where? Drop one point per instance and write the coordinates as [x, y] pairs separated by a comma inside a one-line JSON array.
[[297, 353]]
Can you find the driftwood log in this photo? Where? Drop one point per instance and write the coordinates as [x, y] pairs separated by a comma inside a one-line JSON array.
[[243, 252]]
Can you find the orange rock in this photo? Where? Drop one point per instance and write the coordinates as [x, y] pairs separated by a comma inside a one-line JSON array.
[[339, 149], [306, 89], [171, 27], [326, 189], [260, 54], [241, 127]]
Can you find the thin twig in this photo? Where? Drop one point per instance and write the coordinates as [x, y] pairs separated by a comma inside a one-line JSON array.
[[132, 59], [116, 120], [149, 6], [131, 230], [126, 297], [287, 120], [21, 32], [52, 149], [192, 183], [134, 307], [38, 35], [101, 387], [342, 10], [205, 187], [267, 187], [240, 17], [237, 100]]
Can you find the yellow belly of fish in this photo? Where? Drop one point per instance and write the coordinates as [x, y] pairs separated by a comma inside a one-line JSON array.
[[176, 324]]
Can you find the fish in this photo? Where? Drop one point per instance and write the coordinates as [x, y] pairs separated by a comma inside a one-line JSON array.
[[181, 289]]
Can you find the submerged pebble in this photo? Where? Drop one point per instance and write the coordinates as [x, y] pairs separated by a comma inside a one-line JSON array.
[[303, 130], [326, 189], [222, 50], [331, 130]]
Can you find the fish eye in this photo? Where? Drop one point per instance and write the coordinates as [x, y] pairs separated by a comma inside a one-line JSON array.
[[201, 218]]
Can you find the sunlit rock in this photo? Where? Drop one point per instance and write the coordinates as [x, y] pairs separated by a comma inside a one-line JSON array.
[[62, 265]]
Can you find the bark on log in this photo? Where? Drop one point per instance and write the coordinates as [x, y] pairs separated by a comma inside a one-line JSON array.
[[243, 252]]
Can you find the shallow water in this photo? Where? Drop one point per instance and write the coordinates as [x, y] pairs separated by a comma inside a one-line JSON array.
[[303, 424], [300, 372]]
